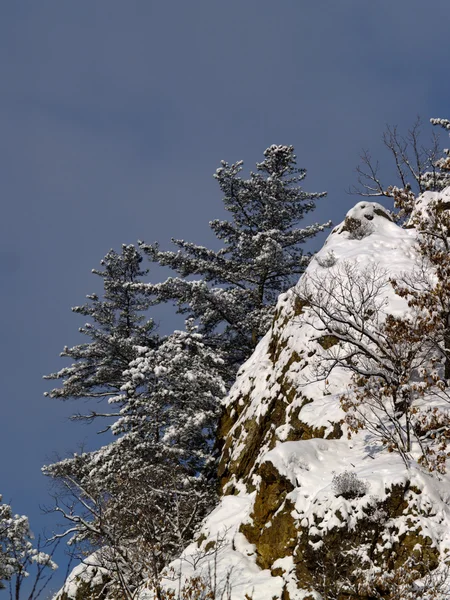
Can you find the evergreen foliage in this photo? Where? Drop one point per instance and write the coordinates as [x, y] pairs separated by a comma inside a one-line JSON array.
[[137, 501], [144, 493], [117, 325], [181, 380], [235, 288]]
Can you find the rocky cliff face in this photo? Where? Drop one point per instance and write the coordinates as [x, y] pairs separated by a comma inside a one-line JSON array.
[[304, 506]]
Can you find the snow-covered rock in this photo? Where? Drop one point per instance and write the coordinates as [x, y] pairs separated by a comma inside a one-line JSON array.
[[285, 520], [86, 581], [303, 503]]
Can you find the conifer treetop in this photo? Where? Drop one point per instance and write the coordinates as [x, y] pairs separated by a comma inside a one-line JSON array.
[[261, 255]]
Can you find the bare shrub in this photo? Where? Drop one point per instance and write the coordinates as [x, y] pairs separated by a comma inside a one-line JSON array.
[[413, 580], [345, 573], [358, 229], [349, 486], [392, 360], [327, 261]]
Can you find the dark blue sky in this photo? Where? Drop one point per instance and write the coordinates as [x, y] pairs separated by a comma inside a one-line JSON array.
[[113, 117]]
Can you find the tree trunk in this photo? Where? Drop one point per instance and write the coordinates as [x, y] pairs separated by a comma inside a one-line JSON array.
[[408, 431], [447, 348]]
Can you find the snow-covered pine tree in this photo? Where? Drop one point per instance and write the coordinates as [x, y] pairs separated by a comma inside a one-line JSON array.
[[117, 325], [182, 379], [235, 289], [167, 391], [143, 494]]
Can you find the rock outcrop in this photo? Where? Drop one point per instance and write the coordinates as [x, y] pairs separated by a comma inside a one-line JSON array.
[[304, 505]]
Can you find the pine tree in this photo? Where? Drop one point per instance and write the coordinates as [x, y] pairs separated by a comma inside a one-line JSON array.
[[261, 256], [181, 379], [117, 326], [142, 495], [151, 486]]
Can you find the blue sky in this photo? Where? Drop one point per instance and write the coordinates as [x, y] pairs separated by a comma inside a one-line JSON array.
[[114, 116]]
